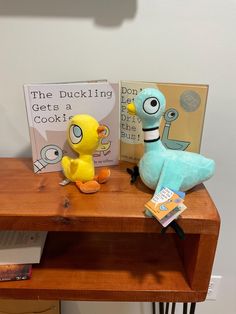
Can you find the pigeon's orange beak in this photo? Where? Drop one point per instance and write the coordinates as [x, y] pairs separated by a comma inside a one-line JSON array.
[[131, 108]]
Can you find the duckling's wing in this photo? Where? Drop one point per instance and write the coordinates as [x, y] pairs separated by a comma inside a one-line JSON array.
[[70, 168]]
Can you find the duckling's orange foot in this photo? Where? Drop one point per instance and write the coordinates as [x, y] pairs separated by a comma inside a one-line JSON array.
[[88, 187], [103, 175]]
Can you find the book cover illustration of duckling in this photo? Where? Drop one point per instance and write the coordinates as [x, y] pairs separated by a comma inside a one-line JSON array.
[[50, 106], [84, 135]]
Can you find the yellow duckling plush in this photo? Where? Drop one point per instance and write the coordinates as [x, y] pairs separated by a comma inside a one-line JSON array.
[[83, 135]]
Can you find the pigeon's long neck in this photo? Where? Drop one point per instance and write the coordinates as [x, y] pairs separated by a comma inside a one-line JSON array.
[[152, 140]]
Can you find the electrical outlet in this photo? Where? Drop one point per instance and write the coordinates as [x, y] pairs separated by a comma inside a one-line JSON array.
[[213, 288]]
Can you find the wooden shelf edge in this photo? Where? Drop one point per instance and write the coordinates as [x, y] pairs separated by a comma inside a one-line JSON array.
[[105, 224], [94, 295]]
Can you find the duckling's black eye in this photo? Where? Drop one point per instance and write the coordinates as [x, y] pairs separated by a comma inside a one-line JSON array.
[[75, 134], [151, 105]]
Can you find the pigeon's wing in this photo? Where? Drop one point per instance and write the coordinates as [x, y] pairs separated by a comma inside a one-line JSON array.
[[171, 176]]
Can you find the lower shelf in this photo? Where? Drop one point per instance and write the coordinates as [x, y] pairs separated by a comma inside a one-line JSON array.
[[107, 266]]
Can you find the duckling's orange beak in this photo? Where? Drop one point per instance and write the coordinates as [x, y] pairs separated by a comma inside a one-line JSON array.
[[102, 131], [131, 108]]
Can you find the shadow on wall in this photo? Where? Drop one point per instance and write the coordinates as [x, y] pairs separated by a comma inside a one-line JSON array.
[[106, 13], [25, 152]]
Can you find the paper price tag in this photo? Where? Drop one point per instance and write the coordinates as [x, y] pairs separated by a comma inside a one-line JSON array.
[[166, 205]]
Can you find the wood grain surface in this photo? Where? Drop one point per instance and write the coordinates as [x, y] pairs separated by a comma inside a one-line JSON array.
[[37, 201]]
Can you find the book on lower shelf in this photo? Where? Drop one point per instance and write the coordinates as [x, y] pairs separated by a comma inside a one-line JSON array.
[[182, 124], [14, 272], [49, 108], [21, 247]]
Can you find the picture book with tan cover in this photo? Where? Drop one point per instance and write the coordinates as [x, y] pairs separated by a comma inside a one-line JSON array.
[[182, 123]]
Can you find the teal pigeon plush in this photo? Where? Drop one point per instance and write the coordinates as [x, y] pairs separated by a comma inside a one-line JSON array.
[[161, 167]]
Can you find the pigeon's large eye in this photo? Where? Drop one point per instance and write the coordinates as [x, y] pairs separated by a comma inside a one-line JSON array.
[[75, 134], [51, 154], [151, 105], [171, 115]]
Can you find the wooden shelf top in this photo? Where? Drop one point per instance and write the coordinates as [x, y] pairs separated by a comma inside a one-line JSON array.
[[37, 202]]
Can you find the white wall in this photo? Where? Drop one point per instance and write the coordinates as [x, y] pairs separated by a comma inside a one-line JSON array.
[[162, 40]]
